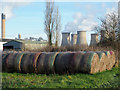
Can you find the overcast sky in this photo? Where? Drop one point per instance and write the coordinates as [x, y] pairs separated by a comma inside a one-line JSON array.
[[27, 18]]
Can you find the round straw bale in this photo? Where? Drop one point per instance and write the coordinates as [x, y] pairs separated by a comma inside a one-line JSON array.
[[10, 62], [112, 56], [40, 63], [17, 62], [49, 62], [25, 63], [89, 63], [62, 62], [4, 58], [107, 60], [35, 61], [29, 62], [102, 60], [75, 62]]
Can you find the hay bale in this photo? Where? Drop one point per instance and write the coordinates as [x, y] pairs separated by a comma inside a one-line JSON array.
[[4, 59], [102, 61], [89, 63], [10, 62], [107, 60], [40, 63], [25, 63], [35, 61], [6, 62], [113, 59], [75, 62], [29, 62], [17, 62], [49, 62], [45, 62], [62, 62]]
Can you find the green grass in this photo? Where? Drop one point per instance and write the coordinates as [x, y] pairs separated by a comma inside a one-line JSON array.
[[107, 79]]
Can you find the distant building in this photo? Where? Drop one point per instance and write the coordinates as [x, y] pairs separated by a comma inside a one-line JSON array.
[[24, 45]]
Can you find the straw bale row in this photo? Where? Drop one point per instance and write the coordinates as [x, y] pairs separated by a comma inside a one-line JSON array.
[[58, 62]]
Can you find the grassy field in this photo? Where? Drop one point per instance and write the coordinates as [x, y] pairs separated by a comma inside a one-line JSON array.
[[107, 79]]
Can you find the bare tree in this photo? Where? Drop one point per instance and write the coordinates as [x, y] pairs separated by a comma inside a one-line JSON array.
[[109, 26], [49, 21], [52, 23], [57, 27]]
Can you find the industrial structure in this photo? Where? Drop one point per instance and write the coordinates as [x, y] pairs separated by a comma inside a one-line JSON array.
[[65, 39], [24, 45], [73, 39], [104, 35], [19, 36], [94, 40], [3, 26], [81, 38]]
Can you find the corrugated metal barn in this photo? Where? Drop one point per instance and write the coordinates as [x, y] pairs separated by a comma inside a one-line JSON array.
[[24, 45]]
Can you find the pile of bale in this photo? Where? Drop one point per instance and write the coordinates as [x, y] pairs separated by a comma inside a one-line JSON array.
[[58, 62]]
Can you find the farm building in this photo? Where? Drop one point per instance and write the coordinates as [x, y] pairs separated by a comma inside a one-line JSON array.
[[24, 45]]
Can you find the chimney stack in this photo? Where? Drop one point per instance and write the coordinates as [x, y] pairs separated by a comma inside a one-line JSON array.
[[73, 39], [94, 40], [81, 38], [3, 26], [65, 39]]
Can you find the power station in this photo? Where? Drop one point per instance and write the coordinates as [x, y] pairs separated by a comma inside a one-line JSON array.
[[65, 39], [94, 40], [81, 38], [73, 39], [3, 26]]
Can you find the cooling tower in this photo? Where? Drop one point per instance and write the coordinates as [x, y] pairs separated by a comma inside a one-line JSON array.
[[19, 36], [73, 39], [103, 35], [81, 38], [3, 26], [94, 40], [65, 39]]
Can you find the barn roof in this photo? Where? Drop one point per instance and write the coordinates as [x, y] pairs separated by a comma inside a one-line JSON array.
[[28, 42]]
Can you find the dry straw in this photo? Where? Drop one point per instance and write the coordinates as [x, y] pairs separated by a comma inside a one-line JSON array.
[[108, 60], [89, 63], [102, 61]]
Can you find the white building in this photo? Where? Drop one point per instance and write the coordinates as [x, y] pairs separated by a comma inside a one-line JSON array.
[[1, 45]]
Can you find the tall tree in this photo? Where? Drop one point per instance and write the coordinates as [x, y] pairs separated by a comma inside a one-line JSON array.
[[57, 27], [49, 21], [52, 23]]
